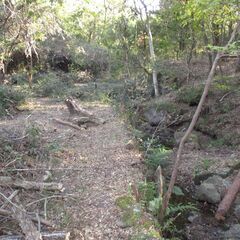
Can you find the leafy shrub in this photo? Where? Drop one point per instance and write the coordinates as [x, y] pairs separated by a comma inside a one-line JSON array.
[[190, 95], [147, 191], [157, 156], [19, 78], [9, 98], [125, 202], [89, 57], [52, 85]]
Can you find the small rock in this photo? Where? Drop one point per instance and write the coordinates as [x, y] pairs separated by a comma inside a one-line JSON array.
[[193, 216], [132, 144], [225, 172], [233, 233], [208, 192], [237, 200], [47, 176], [237, 211]]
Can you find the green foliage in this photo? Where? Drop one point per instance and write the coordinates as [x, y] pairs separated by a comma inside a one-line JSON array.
[[125, 202], [131, 216], [180, 208], [190, 95], [9, 98], [172, 213], [207, 163], [163, 105], [52, 85], [33, 136], [157, 156], [178, 191], [154, 205], [19, 78], [86, 56], [147, 191]]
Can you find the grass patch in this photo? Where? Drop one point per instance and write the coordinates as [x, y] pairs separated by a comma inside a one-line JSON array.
[[52, 85], [125, 202], [9, 99], [157, 156]]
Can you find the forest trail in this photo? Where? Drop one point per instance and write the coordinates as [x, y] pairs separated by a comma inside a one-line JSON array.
[[102, 167]]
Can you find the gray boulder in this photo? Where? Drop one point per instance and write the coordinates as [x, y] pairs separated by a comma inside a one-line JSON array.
[[220, 184], [233, 233], [208, 192], [237, 211], [212, 189]]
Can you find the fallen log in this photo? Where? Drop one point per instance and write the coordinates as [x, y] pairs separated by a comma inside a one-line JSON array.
[[67, 124], [228, 199], [18, 183], [45, 236], [45, 222], [26, 224]]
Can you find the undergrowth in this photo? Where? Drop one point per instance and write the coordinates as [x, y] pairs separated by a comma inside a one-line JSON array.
[[10, 98], [190, 95], [52, 85]]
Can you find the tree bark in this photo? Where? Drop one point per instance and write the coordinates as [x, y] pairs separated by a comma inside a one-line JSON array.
[[237, 69], [227, 201], [68, 124], [27, 226], [7, 213], [45, 236], [80, 115], [18, 183], [152, 52], [191, 126]]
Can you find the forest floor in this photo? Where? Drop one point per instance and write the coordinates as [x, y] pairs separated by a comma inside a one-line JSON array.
[[96, 168]]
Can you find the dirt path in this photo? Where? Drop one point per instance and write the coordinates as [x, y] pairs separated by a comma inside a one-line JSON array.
[[102, 168]]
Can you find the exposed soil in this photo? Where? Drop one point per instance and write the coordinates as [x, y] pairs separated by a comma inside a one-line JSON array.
[[101, 168]]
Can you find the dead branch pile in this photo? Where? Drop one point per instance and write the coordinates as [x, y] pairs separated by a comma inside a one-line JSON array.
[[20, 195]]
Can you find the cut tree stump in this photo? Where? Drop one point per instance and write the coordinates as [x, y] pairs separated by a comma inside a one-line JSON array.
[[80, 116], [229, 198], [74, 109], [18, 183]]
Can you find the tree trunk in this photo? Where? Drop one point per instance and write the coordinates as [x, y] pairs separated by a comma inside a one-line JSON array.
[[152, 52], [205, 39], [30, 72], [191, 126], [153, 58], [2, 72], [227, 201], [237, 69]]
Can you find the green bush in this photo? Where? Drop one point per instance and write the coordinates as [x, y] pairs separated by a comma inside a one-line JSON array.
[[190, 95], [19, 78], [9, 98], [52, 85], [147, 191], [157, 156], [88, 57]]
